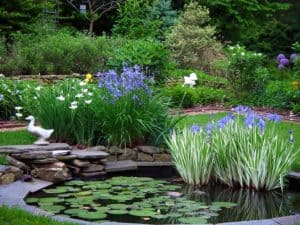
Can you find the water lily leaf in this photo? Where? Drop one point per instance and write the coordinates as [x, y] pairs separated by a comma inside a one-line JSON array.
[[193, 220], [142, 212], [117, 206], [83, 193], [53, 208], [73, 211], [118, 212], [32, 200], [51, 200], [91, 215]]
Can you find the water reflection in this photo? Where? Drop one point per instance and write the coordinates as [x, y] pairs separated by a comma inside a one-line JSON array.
[[251, 205]]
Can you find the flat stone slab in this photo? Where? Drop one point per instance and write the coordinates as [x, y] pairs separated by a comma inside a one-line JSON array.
[[33, 155], [119, 166], [20, 189], [294, 175], [26, 148], [61, 152], [287, 220], [252, 222], [83, 154], [149, 164]]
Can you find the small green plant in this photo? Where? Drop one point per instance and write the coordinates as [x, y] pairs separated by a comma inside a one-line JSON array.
[[192, 154]]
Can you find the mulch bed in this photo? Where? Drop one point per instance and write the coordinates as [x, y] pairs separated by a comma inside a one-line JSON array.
[[12, 125]]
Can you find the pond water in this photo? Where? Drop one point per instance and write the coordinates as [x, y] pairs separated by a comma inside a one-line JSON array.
[[158, 201]]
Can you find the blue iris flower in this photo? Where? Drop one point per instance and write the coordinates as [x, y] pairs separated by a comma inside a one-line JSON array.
[[195, 128]]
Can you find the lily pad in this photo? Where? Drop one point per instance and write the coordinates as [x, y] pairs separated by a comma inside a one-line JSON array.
[[53, 208], [91, 215], [142, 212], [118, 212], [32, 200], [117, 206]]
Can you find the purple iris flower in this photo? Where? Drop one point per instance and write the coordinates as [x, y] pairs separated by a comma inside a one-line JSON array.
[[209, 127], [195, 128], [274, 117], [293, 57], [280, 66], [250, 120], [242, 109], [284, 62], [261, 124], [280, 56]]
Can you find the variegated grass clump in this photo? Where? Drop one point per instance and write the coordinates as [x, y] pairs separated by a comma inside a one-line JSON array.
[[192, 154], [237, 151]]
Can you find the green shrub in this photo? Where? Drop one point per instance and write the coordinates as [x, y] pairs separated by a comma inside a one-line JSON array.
[[192, 41], [192, 155], [280, 95], [152, 55], [203, 78], [65, 53], [187, 97], [134, 21], [245, 72], [296, 108], [180, 96]]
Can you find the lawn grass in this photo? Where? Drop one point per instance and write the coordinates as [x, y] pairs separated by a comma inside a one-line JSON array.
[[16, 216], [20, 137], [282, 128]]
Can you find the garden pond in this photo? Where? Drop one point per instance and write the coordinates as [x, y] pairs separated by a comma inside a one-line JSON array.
[[159, 201]]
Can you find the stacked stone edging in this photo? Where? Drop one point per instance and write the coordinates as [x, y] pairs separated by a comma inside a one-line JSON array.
[[58, 162]]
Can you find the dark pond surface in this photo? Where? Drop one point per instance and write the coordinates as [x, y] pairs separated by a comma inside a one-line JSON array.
[[148, 200]]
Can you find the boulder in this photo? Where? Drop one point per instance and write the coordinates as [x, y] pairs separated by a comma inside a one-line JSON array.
[[33, 155], [7, 178], [149, 149], [114, 150], [110, 158], [162, 157], [12, 161], [93, 168], [16, 171], [128, 154], [144, 157], [81, 163], [54, 175]]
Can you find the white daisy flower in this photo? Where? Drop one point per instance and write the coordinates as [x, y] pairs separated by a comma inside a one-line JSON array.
[[74, 103], [38, 88], [193, 76], [19, 115], [60, 98], [82, 83], [85, 90], [88, 101], [73, 107], [79, 96], [90, 94], [18, 108]]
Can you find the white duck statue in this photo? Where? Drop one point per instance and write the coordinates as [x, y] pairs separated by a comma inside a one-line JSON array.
[[40, 132]]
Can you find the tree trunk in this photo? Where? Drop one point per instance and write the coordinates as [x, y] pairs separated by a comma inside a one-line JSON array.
[[91, 28]]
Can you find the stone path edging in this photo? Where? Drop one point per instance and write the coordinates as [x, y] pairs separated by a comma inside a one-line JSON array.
[[13, 195]]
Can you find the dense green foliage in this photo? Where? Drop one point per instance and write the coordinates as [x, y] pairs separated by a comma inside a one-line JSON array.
[[252, 23], [65, 53]]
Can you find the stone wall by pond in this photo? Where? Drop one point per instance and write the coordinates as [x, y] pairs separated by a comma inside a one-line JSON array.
[[59, 162]]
